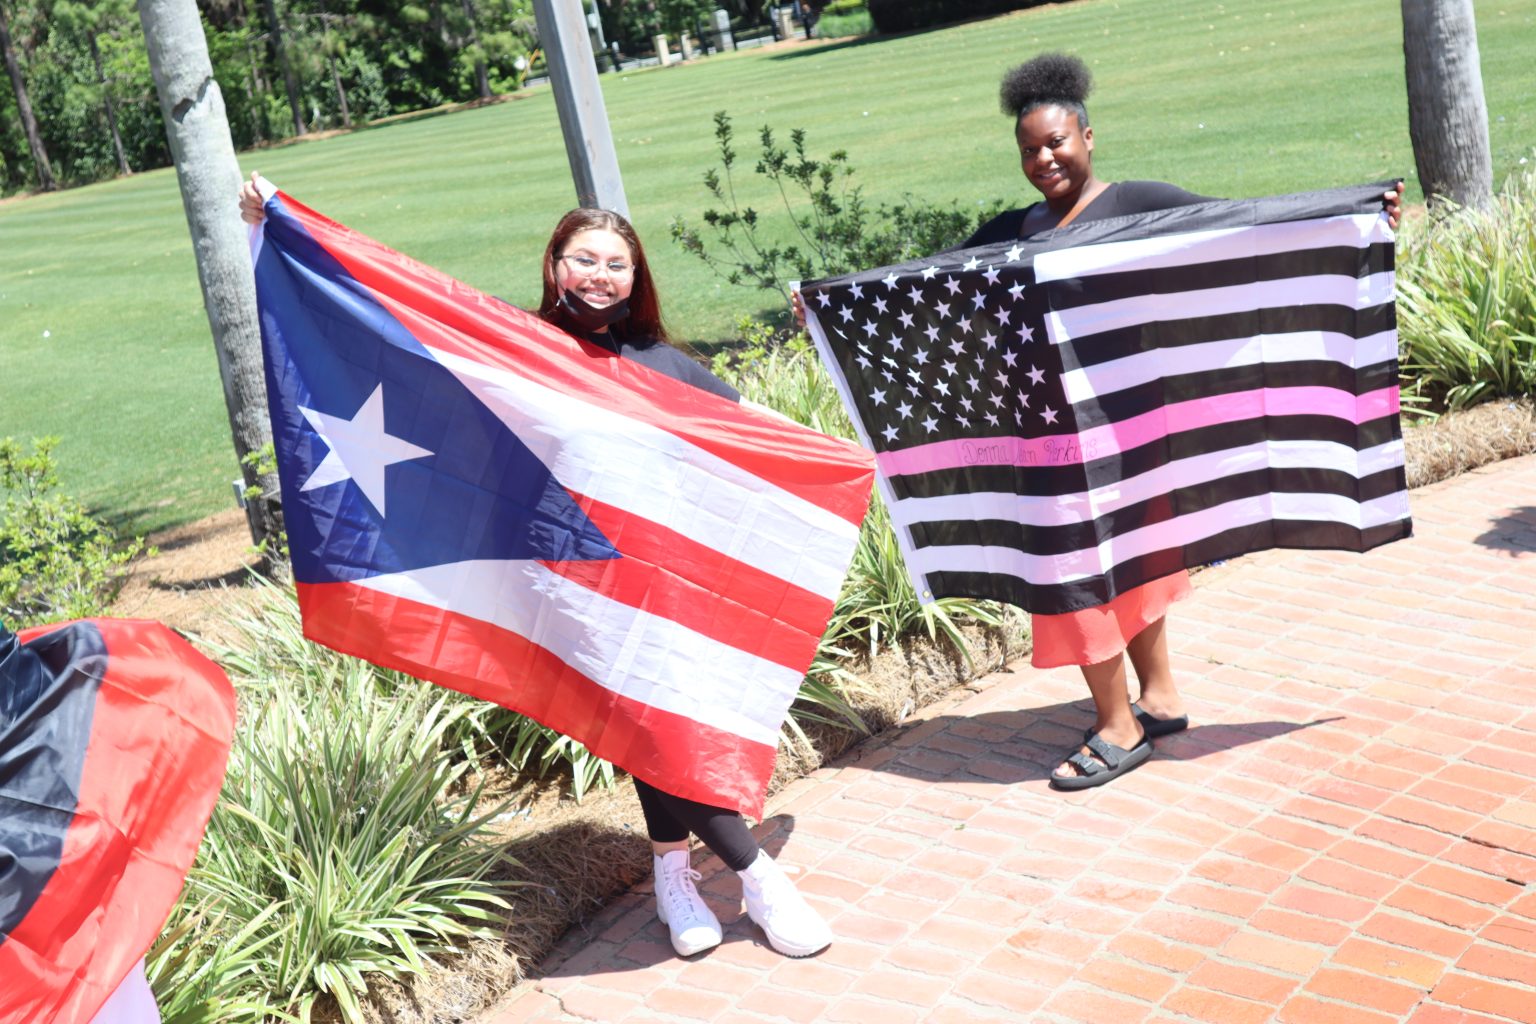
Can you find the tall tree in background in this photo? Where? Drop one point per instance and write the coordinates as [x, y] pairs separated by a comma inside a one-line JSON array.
[[1447, 116], [482, 78], [89, 21], [280, 51], [45, 180], [198, 131]]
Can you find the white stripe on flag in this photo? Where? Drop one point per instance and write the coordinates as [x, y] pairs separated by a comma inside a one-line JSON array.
[[1085, 506], [1196, 247], [1144, 367], [1071, 566], [640, 656], [1323, 289], [654, 474]]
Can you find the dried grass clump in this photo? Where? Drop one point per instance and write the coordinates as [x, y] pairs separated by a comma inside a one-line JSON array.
[[897, 682], [1458, 442]]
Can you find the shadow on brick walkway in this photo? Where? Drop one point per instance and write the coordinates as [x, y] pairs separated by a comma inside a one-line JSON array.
[[1346, 836]]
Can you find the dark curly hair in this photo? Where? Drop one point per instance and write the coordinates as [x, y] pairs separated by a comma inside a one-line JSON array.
[[1049, 80]]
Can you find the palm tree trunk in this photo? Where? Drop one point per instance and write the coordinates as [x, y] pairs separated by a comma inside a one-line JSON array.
[[45, 179], [1447, 116], [198, 131]]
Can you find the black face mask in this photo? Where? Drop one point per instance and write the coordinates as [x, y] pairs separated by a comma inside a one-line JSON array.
[[589, 317]]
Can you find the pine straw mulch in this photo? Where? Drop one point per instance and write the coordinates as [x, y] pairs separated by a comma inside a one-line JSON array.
[[569, 859]]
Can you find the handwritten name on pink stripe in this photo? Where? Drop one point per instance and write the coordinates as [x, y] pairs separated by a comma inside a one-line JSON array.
[[1068, 449]]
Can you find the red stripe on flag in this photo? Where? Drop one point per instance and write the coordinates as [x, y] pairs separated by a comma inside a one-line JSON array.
[[448, 315], [664, 573], [671, 752], [160, 735]]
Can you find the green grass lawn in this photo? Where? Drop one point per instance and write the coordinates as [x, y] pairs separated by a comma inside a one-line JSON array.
[[103, 340]]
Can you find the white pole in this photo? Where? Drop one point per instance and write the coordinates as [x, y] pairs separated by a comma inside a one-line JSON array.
[[579, 100]]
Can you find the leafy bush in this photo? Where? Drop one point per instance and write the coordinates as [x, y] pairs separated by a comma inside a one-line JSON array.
[[346, 841], [56, 562], [835, 26], [905, 15], [1466, 302], [833, 230]]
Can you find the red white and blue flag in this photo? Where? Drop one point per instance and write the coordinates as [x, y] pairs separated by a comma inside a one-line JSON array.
[[480, 500], [113, 739], [1061, 419]]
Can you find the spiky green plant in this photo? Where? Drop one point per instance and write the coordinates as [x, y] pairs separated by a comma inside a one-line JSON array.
[[345, 842], [1466, 302]]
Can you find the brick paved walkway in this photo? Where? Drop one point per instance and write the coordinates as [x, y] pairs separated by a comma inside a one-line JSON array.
[[1346, 836]]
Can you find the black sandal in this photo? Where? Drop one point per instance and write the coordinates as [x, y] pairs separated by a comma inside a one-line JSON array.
[[1112, 762], [1155, 727]]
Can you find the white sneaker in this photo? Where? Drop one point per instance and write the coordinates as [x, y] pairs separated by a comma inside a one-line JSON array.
[[793, 927], [680, 907]]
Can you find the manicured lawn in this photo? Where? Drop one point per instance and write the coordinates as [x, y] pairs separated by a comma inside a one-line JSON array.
[[1239, 98]]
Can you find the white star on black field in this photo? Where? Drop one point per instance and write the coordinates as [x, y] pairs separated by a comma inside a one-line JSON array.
[[939, 354]]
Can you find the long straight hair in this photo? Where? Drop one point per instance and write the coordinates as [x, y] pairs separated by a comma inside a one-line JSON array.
[[644, 319]]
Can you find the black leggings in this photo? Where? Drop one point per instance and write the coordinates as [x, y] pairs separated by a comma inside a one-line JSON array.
[[669, 819]]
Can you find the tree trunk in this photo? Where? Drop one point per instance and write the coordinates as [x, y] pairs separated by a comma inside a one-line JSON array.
[[482, 78], [198, 132], [341, 94], [1447, 117], [45, 180], [106, 99], [290, 80], [256, 89]]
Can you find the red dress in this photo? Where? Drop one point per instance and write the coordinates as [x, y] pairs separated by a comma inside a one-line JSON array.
[[1092, 635], [1097, 634]]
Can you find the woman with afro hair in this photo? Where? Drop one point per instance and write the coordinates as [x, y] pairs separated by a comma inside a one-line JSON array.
[[1045, 98]]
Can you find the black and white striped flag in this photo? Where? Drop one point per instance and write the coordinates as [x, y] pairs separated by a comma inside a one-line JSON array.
[[1061, 419]]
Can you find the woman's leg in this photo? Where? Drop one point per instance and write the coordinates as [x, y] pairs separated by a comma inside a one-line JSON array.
[[1115, 724], [692, 926], [1159, 698], [792, 925], [667, 834], [722, 830]]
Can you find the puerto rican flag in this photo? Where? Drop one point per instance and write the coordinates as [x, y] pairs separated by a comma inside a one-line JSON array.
[[1061, 419], [113, 739], [480, 500]]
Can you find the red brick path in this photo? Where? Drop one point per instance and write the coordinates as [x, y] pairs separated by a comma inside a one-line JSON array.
[[1346, 836]]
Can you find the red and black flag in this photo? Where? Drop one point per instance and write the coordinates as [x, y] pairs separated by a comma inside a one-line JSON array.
[[113, 741]]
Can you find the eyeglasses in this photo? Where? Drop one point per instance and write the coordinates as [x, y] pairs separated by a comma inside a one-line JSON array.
[[586, 266]]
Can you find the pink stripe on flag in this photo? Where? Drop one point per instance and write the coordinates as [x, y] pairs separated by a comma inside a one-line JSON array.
[[1070, 449]]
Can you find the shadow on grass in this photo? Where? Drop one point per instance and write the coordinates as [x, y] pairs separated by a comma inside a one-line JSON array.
[[1514, 532], [1027, 745], [846, 44]]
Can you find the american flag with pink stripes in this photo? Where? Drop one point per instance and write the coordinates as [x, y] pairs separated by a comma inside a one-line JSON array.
[[480, 500], [1060, 419]]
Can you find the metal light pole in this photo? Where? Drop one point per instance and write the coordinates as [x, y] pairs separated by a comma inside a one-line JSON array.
[[579, 101]]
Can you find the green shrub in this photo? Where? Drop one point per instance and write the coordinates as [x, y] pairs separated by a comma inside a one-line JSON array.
[[827, 228], [346, 841], [1466, 284], [905, 15], [56, 562], [836, 26]]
